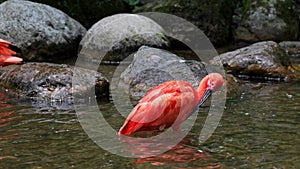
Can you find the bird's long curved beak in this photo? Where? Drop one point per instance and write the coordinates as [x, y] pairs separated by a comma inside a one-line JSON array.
[[207, 93]]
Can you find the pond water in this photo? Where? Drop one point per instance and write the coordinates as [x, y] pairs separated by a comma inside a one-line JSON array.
[[259, 129]]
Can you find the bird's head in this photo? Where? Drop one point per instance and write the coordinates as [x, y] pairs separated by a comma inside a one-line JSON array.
[[214, 82], [210, 83]]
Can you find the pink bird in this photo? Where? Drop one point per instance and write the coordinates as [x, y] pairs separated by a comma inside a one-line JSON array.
[[7, 54], [169, 104]]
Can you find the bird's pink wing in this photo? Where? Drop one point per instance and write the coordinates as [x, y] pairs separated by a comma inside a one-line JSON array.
[[7, 52], [160, 106], [4, 48], [165, 88]]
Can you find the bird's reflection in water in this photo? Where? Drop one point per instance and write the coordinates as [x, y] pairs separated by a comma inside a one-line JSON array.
[[6, 116], [185, 151]]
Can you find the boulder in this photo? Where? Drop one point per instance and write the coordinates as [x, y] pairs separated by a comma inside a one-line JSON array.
[[293, 49], [260, 60], [151, 67], [41, 32], [207, 15], [274, 20], [47, 81], [115, 37]]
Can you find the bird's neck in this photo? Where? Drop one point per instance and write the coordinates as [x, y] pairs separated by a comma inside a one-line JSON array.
[[202, 88]]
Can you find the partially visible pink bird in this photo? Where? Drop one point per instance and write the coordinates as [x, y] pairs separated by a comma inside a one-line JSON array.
[[7, 54], [169, 104]]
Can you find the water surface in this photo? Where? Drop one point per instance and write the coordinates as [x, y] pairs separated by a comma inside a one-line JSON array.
[[259, 129]]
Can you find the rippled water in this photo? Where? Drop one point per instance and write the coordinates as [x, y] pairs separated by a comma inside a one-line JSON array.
[[259, 129]]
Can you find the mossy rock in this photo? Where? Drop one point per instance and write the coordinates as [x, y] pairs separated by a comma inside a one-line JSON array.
[[208, 15], [263, 20]]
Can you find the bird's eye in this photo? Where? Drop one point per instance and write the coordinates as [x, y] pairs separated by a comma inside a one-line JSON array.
[[211, 84]]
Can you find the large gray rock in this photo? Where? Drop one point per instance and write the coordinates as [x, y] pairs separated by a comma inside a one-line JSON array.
[[43, 33], [274, 20], [119, 35], [151, 67], [260, 60], [46, 81]]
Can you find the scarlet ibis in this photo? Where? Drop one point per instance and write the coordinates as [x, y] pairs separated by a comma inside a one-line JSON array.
[[169, 104], [6, 54]]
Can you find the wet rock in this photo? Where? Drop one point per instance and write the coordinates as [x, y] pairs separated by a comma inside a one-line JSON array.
[[119, 35], [208, 15], [275, 20], [260, 60], [42, 33], [151, 67], [234, 86], [292, 48], [46, 81]]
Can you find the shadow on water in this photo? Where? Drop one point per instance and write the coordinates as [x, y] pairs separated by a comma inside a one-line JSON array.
[[259, 129]]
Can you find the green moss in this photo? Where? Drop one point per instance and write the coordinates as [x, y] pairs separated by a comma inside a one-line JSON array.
[[132, 2], [246, 9]]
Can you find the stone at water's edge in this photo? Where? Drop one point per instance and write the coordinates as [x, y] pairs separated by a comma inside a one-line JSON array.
[[151, 67], [261, 60], [46, 81], [275, 20], [41, 32], [119, 35], [292, 48]]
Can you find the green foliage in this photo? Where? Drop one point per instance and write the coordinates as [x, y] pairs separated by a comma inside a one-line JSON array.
[[289, 14], [132, 2], [212, 16]]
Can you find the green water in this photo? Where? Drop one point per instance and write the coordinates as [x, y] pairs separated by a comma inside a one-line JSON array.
[[259, 129]]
